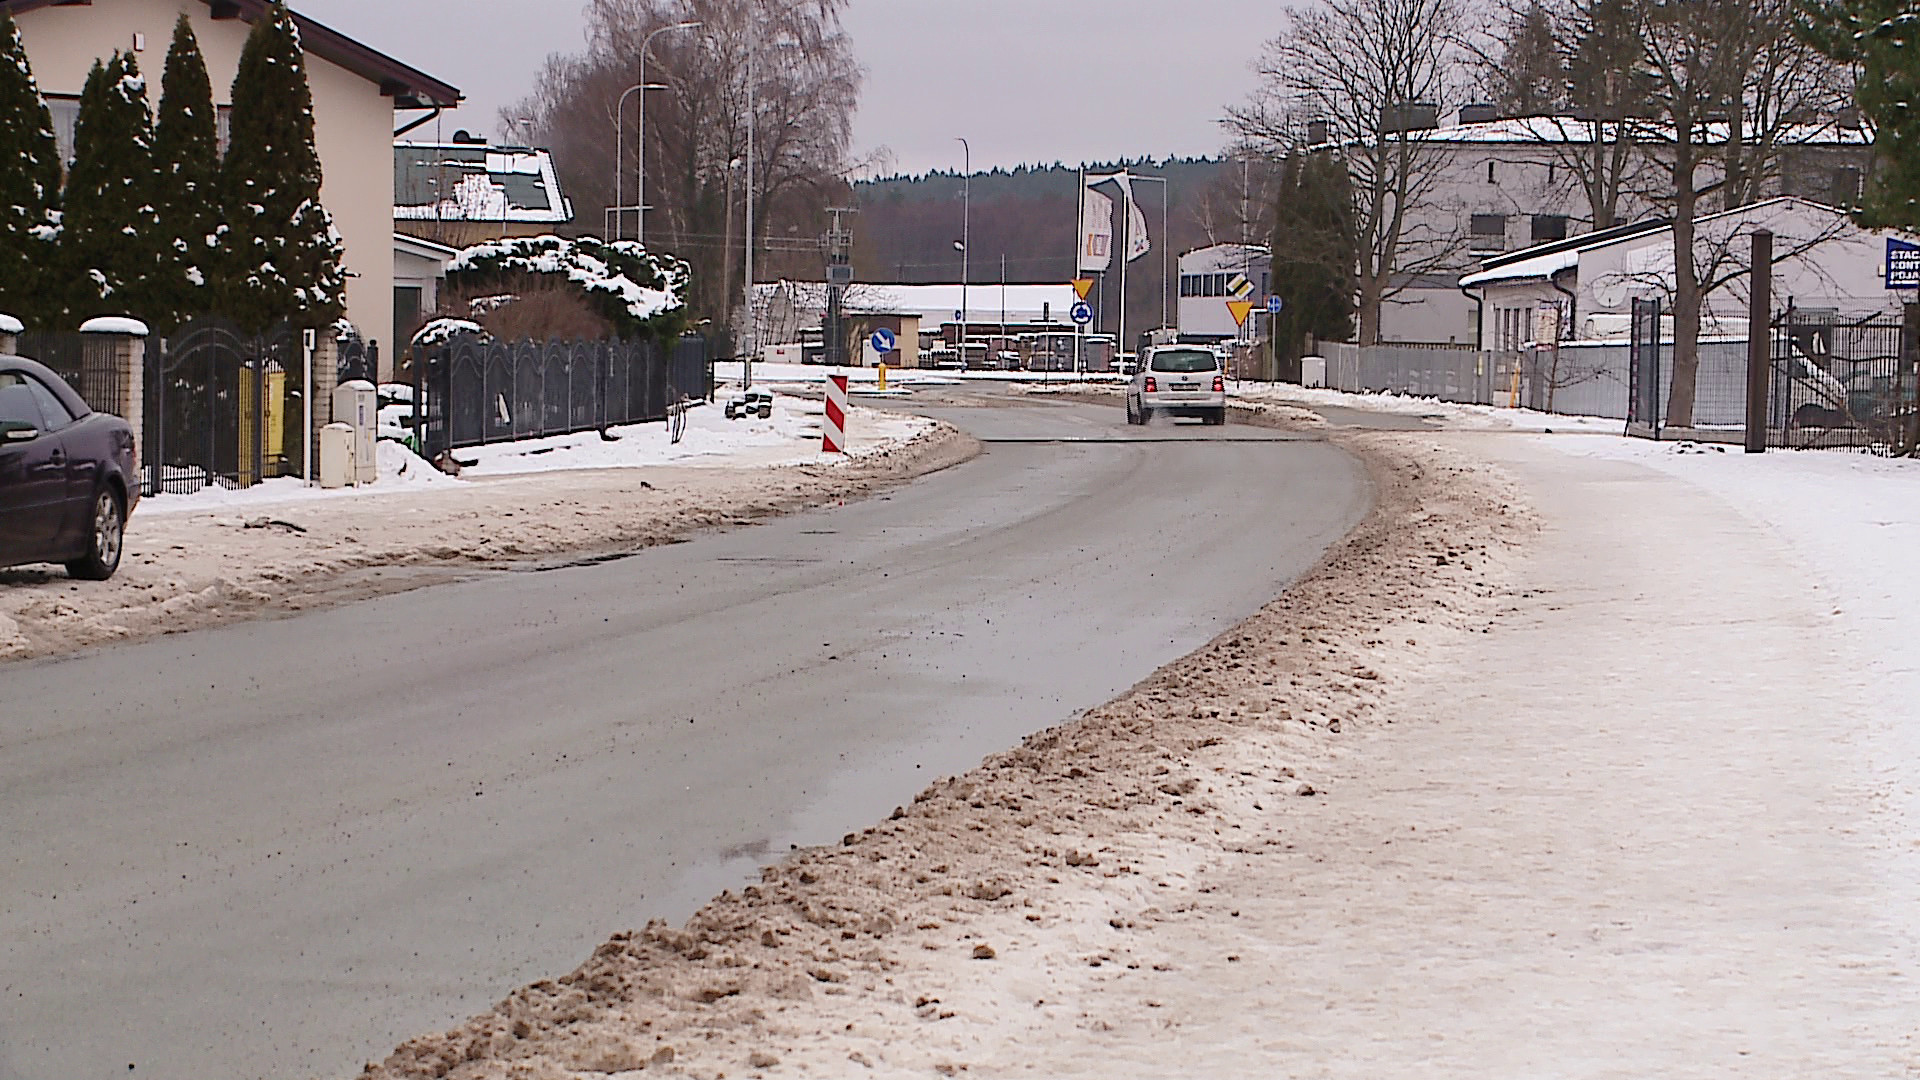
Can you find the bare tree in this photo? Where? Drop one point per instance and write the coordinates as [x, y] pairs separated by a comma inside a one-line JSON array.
[[1368, 70], [1731, 90], [805, 88]]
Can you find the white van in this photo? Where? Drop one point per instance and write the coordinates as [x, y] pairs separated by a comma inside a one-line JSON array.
[[1178, 380]]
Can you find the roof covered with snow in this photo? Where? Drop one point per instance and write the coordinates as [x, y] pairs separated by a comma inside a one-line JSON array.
[[476, 182], [1571, 129]]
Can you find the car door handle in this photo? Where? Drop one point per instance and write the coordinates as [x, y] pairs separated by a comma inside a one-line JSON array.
[[58, 457]]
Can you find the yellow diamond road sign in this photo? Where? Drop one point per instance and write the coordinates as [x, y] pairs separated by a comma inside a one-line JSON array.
[[1240, 308], [1239, 287], [1082, 286]]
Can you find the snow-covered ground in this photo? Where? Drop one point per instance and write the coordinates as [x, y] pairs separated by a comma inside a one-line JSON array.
[[790, 437]]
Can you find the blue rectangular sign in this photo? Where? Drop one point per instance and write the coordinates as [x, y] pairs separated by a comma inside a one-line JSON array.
[[1903, 264]]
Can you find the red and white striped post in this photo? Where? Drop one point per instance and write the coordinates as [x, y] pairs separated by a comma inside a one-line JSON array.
[[833, 434]]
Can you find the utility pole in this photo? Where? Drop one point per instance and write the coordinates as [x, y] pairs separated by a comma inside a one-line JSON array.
[[839, 276], [1759, 339]]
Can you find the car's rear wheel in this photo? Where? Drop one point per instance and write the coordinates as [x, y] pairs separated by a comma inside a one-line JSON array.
[[1217, 416], [1132, 416], [108, 537], [1146, 414]]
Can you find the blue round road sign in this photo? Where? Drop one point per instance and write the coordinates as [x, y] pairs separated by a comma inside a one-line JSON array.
[[1082, 313], [1274, 304], [883, 340]]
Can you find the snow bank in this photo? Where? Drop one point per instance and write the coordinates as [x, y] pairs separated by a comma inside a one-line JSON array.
[[401, 470], [790, 437]]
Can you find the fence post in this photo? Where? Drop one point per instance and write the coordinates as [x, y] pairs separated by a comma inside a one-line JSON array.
[[124, 347], [1759, 339], [326, 375], [10, 331]]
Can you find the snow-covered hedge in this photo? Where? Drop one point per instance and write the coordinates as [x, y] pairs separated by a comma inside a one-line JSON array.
[[441, 331], [642, 294]]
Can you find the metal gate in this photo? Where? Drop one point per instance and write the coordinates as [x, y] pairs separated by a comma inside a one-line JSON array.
[[217, 408], [87, 362], [1845, 384]]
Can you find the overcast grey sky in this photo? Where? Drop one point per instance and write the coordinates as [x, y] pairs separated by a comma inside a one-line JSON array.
[[1022, 80]]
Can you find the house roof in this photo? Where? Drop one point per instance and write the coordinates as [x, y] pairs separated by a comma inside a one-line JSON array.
[[476, 182], [1570, 129], [425, 249], [1542, 261], [409, 87]]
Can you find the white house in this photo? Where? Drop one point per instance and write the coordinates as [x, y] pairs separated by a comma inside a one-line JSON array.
[[1497, 185], [1585, 286], [1212, 276]]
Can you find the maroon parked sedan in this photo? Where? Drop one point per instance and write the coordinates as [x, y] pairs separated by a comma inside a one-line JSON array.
[[67, 475]]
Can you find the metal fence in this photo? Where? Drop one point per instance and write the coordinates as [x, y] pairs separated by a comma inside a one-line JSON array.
[[1842, 384], [1448, 372], [85, 361], [480, 391], [1832, 384]]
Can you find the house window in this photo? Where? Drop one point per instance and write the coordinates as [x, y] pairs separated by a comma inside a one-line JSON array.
[[1489, 172], [66, 115], [1487, 232], [1549, 227]]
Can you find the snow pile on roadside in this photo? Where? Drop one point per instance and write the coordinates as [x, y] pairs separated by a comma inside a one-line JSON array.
[[401, 470], [1010, 911], [1448, 413], [790, 437]]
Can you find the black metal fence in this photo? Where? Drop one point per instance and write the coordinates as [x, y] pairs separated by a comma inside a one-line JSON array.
[[86, 361], [1842, 384], [1833, 383], [481, 391], [357, 358]]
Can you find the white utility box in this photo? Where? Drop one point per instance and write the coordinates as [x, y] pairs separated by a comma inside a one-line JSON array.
[[1313, 371], [336, 455], [356, 403]]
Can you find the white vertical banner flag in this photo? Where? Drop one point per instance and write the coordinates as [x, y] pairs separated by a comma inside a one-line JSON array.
[[1096, 232], [1138, 243]]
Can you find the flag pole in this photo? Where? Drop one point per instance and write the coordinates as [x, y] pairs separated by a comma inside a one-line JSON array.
[[1126, 249]]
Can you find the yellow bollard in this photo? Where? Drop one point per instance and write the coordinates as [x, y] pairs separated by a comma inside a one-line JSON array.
[[883, 378]]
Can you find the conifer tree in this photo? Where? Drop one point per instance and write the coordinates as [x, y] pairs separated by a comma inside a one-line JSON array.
[[186, 157], [1313, 255], [29, 188], [1881, 40], [284, 249], [107, 245]]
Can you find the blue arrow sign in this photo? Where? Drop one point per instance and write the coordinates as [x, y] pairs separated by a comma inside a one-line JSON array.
[[883, 341], [1082, 313]]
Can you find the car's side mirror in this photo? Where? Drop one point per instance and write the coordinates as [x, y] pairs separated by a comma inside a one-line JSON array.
[[17, 431]]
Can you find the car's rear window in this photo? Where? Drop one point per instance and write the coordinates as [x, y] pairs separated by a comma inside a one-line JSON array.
[[1184, 360]]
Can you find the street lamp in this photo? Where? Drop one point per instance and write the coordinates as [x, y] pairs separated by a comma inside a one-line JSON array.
[[966, 240], [619, 133], [640, 197]]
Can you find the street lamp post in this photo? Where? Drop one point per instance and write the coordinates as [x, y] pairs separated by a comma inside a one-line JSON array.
[[966, 241], [640, 196], [614, 211]]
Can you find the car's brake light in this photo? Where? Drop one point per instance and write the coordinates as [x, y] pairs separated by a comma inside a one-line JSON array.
[[1219, 384], [1152, 387]]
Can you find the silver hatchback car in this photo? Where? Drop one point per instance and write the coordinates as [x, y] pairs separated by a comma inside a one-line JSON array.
[[1178, 380]]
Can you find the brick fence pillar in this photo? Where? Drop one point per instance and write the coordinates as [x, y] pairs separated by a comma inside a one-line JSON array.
[[113, 378], [326, 375], [10, 329]]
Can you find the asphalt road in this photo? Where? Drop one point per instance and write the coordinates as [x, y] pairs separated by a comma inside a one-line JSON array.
[[277, 849]]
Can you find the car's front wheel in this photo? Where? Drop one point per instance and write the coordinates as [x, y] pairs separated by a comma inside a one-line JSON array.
[[109, 534]]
